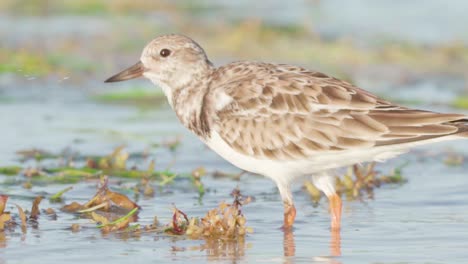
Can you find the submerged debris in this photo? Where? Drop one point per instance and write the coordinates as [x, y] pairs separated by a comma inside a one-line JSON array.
[[58, 196], [107, 226], [7, 221], [4, 216], [106, 208], [454, 159], [10, 170], [225, 222], [234, 176], [179, 223], [23, 218], [75, 228], [72, 207], [116, 160], [172, 144], [35, 154], [33, 172], [78, 168], [104, 200], [196, 180], [115, 212], [145, 185], [35, 208]]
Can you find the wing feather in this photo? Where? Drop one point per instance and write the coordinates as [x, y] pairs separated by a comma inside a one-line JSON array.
[[287, 113]]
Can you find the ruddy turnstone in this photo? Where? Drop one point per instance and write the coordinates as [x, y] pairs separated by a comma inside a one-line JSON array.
[[284, 121]]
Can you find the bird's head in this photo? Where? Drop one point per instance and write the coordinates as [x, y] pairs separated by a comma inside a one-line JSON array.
[[169, 61]]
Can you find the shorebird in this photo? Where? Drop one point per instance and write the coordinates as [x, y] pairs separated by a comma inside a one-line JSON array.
[[284, 121]]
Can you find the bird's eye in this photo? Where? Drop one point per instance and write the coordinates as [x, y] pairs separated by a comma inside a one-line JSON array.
[[165, 52]]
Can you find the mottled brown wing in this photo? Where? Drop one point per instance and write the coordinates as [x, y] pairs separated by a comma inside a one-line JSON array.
[[285, 112]]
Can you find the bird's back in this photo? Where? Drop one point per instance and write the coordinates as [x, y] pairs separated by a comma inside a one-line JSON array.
[[284, 112]]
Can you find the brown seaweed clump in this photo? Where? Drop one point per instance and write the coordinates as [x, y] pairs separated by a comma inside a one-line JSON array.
[[224, 222]]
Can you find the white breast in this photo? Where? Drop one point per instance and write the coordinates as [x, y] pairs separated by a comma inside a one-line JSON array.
[[277, 170]]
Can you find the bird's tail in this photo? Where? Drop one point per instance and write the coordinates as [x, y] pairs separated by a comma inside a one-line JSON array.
[[462, 127]]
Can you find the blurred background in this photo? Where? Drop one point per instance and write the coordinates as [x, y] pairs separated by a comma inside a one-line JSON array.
[[60, 51], [84, 41], [55, 55]]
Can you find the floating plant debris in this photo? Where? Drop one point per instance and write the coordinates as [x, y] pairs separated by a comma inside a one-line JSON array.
[[107, 226], [35, 208], [234, 176], [23, 218], [58, 196], [36, 154], [454, 159], [104, 200], [115, 212], [10, 170], [145, 186], [171, 144], [196, 180], [225, 222], [4, 216], [73, 171]]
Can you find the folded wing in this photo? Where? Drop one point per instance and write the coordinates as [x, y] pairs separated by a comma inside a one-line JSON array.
[[286, 112]]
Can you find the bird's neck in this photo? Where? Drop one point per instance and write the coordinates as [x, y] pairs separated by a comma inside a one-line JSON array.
[[189, 104]]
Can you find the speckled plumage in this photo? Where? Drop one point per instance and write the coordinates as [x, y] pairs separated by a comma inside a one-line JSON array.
[[284, 121], [285, 112]]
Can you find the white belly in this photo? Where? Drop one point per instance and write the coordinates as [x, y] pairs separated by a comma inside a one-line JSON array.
[[277, 170], [287, 170]]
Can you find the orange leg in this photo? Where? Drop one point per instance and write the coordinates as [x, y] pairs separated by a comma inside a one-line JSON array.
[[335, 211], [289, 215]]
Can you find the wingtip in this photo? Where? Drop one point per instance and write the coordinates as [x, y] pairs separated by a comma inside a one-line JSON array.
[[112, 79]]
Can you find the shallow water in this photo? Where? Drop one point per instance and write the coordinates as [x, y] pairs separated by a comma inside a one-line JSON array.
[[422, 221]]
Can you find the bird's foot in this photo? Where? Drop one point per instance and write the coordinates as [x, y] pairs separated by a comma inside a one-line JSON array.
[[289, 216]]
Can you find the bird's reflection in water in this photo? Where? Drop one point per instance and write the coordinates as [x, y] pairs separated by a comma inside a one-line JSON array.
[[235, 250], [217, 250], [335, 243], [289, 247]]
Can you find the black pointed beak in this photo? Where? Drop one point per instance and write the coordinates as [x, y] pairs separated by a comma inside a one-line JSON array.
[[133, 72]]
